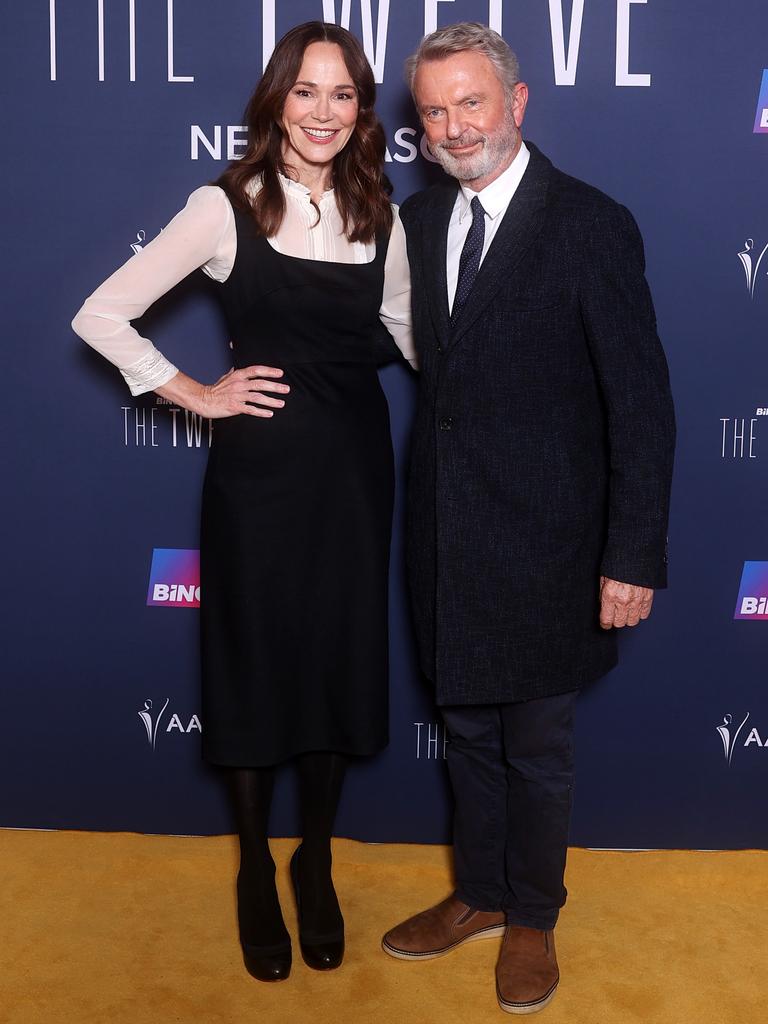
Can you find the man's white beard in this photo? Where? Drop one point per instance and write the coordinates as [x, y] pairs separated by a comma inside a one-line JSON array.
[[495, 152]]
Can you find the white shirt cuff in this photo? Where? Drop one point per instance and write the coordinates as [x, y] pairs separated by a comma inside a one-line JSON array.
[[150, 372]]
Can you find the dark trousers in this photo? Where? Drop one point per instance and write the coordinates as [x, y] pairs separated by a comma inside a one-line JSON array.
[[511, 768]]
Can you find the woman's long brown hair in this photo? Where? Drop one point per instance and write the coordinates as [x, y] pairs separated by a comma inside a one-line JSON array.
[[362, 188]]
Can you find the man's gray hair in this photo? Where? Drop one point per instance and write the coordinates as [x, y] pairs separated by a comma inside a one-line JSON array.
[[463, 36]]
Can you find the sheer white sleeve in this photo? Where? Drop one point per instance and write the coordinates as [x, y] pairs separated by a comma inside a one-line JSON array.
[[395, 311], [201, 235]]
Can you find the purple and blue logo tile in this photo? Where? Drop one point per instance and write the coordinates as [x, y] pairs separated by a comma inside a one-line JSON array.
[[752, 602], [174, 579], [761, 117]]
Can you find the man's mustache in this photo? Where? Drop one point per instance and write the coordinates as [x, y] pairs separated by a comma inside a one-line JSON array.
[[463, 140]]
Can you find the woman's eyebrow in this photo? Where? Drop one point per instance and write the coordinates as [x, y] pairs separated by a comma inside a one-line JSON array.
[[344, 85]]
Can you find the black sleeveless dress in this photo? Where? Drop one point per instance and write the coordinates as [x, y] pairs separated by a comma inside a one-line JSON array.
[[296, 517]]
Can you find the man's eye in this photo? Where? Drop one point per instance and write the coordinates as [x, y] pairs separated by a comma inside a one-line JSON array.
[[434, 113]]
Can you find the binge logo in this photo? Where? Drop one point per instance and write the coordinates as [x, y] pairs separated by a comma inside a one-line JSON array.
[[761, 117], [752, 602], [174, 579]]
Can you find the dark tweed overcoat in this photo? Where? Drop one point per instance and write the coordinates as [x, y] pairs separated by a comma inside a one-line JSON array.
[[542, 447]]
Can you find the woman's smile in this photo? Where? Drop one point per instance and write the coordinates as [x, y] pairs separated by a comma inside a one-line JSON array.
[[321, 135]]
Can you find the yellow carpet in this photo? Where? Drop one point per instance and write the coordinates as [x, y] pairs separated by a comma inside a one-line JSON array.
[[129, 929]]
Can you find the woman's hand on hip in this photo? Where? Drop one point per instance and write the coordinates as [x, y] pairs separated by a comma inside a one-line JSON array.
[[239, 392], [244, 392]]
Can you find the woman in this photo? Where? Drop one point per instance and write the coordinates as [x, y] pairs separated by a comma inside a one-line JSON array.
[[297, 512]]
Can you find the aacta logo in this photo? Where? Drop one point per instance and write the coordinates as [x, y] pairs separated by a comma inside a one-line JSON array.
[[174, 579], [761, 117], [752, 602], [752, 257], [730, 731], [152, 718]]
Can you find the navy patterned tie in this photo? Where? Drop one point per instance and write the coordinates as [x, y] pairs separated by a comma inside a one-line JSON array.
[[469, 261]]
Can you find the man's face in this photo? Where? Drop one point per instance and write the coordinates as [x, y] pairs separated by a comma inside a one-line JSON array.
[[472, 125]]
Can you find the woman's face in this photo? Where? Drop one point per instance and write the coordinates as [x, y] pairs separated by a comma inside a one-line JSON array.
[[320, 111]]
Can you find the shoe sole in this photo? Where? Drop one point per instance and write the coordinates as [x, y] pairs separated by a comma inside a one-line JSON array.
[[495, 931], [533, 1007]]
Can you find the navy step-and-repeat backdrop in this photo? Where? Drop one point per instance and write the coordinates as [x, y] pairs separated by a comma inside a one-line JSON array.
[[114, 110]]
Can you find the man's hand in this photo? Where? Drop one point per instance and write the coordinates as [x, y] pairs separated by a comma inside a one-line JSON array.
[[622, 604]]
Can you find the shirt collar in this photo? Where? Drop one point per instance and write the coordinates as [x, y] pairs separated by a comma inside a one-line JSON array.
[[495, 197], [299, 191]]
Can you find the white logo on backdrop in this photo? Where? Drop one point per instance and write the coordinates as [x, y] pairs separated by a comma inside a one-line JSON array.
[[152, 722], [751, 261], [431, 741], [164, 424], [138, 245], [729, 734], [230, 141], [739, 438], [115, 34]]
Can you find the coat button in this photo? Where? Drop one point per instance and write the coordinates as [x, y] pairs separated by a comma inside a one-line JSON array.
[[446, 423], [439, 349]]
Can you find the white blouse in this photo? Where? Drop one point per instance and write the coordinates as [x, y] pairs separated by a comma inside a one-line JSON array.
[[203, 235]]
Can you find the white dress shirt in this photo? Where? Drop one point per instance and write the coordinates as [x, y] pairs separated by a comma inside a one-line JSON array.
[[494, 198], [203, 235]]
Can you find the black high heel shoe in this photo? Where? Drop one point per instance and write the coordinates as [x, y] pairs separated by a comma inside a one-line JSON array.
[[267, 962], [320, 951]]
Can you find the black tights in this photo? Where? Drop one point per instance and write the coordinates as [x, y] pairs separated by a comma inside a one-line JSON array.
[[321, 776]]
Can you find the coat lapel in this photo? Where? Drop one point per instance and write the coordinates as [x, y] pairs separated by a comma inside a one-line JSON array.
[[519, 227], [435, 249]]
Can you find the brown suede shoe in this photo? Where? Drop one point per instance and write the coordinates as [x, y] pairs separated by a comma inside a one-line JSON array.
[[440, 929], [526, 974]]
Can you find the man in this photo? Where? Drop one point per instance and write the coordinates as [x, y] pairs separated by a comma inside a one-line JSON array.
[[541, 465]]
